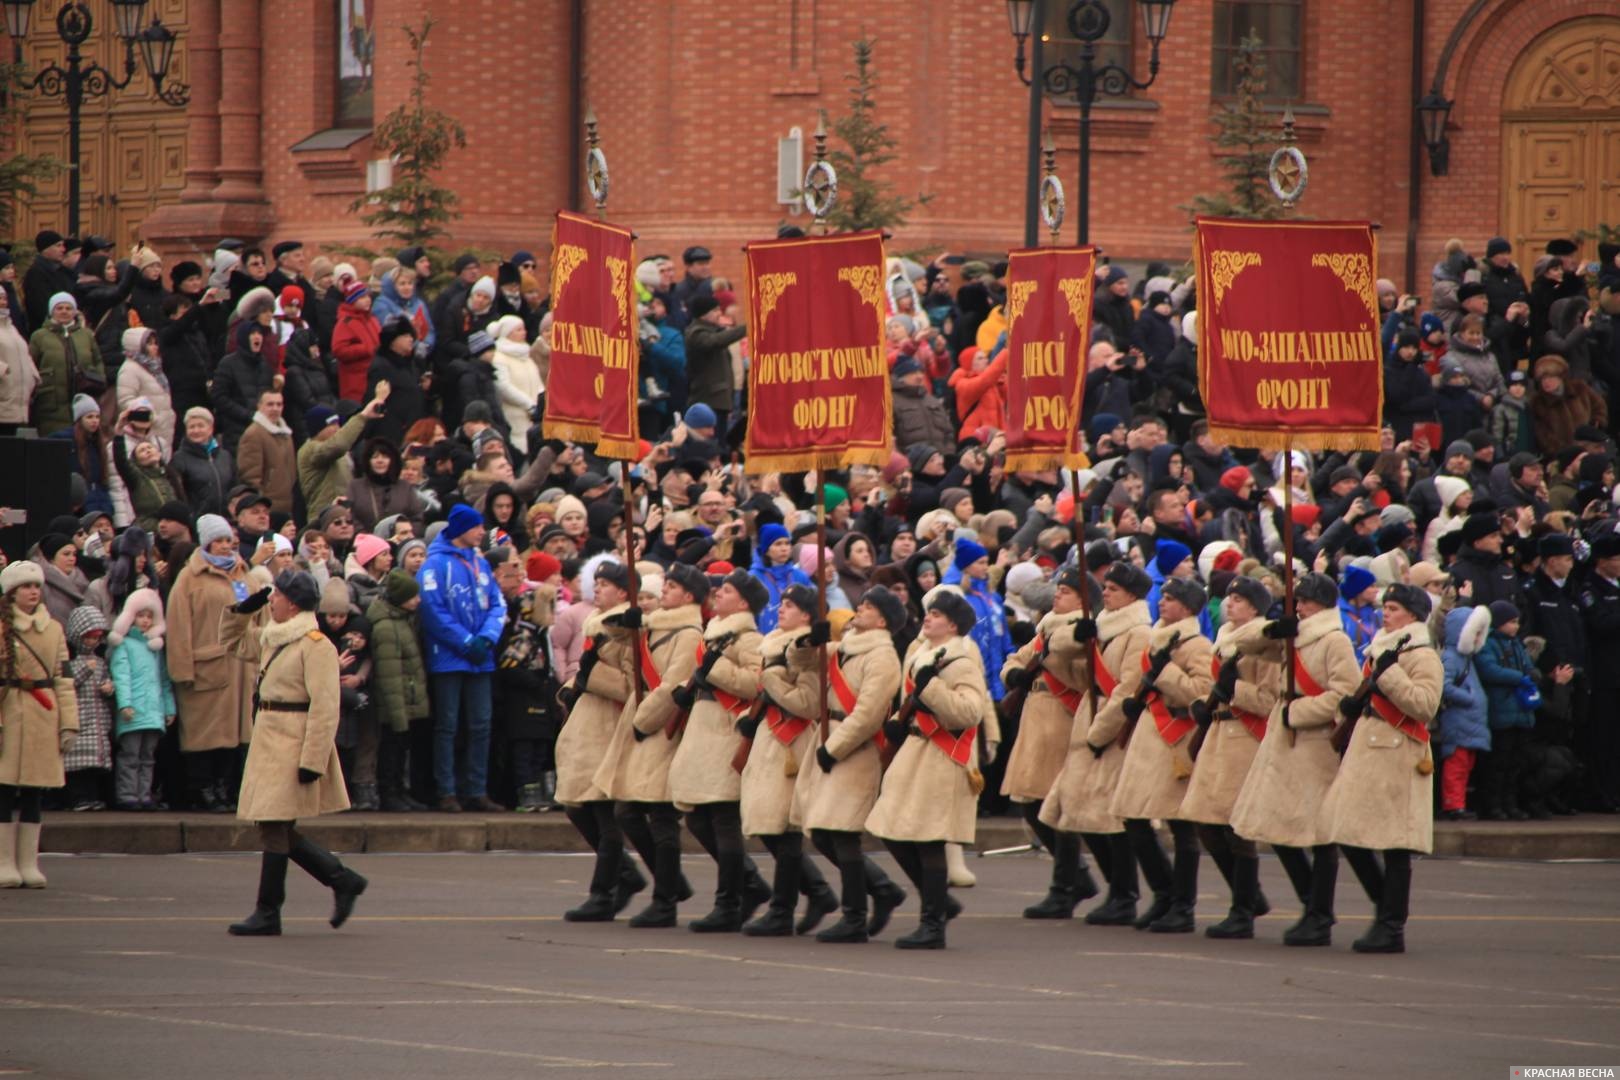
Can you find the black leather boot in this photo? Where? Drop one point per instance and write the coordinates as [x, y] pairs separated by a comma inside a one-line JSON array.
[[1064, 893], [1388, 931], [934, 886], [1119, 908], [669, 887], [328, 869], [851, 928], [820, 900], [755, 889], [598, 907], [1239, 921], [630, 881], [777, 921], [726, 918], [266, 918], [886, 896], [1183, 887], [1315, 927]]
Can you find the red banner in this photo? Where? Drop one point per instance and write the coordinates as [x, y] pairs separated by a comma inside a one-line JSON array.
[[591, 396], [1048, 311], [1288, 333], [818, 387]]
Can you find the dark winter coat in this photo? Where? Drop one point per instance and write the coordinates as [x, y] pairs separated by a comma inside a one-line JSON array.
[[708, 363], [1409, 396], [1154, 335], [206, 476], [1492, 578], [238, 381], [921, 418], [188, 360], [1115, 315], [407, 402], [1503, 667], [1554, 615], [309, 381], [399, 684]]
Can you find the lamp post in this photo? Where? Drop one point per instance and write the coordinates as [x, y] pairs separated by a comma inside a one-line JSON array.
[[74, 80], [1088, 21]]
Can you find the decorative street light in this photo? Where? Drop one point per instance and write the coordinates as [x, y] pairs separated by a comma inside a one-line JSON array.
[[1433, 112], [1088, 21], [78, 80]]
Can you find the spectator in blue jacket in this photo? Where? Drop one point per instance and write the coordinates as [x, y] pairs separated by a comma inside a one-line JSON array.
[[773, 565], [1359, 609], [463, 614], [1465, 731], [1511, 693], [990, 631]]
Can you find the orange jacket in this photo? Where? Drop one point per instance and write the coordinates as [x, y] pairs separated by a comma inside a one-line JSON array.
[[981, 400]]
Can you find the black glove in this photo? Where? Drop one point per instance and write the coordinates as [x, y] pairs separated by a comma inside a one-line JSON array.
[[1201, 713], [629, 619], [587, 661], [1158, 660], [683, 696], [747, 725], [1386, 660], [1352, 706], [306, 776], [922, 677], [1018, 679], [1085, 629], [894, 731], [825, 760], [820, 632], [1097, 751], [1133, 708], [253, 603], [566, 697], [1226, 681], [478, 650], [1282, 628], [641, 736], [711, 657]]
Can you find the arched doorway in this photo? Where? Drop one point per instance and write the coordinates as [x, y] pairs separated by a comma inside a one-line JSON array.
[[1561, 134]]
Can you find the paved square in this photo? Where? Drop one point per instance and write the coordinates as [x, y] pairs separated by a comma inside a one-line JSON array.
[[459, 966]]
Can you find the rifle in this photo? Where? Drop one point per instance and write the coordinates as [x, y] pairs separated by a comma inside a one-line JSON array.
[[1011, 705], [697, 682], [908, 709], [1363, 695], [1208, 707], [1159, 660]]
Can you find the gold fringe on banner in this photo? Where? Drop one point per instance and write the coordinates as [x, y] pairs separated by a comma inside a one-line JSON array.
[[1042, 460], [1283, 438], [581, 431], [618, 449]]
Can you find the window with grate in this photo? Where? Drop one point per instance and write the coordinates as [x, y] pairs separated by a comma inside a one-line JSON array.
[[1280, 26]]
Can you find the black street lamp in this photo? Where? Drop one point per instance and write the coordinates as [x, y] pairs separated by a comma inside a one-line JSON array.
[[1088, 21], [78, 80]]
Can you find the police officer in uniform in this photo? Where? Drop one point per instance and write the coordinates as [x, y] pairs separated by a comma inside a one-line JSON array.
[[635, 769], [1600, 739], [930, 792], [292, 766]]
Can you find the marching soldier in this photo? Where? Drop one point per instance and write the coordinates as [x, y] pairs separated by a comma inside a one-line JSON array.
[[635, 770], [1296, 763], [1233, 721], [1054, 670], [790, 700], [930, 793], [701, 780], [1383, 796], [598, 693], [292, 766], [1159, 687], [834, 799], [1079, 799]]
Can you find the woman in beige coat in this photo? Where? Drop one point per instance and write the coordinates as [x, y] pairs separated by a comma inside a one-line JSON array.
[[635, 769], [1383, 796], [292, 767], [39, 718], [833, 799], [212, 686], [1233, 720], [1055, 669], [599, 690], [930, 793], [1160, 687], [1295, 764], [702, 782], [1079, 800], [790, 701]]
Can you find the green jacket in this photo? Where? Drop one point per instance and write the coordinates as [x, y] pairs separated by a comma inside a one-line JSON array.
[[324, 470], [53, 398], [708, 363], [398, 675]]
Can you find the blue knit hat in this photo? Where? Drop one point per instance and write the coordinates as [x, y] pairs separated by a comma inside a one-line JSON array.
[[770, 534], [968, 553], [1355, 582], [462, 517], [700, 416], [1102, 424], [1169, 554]]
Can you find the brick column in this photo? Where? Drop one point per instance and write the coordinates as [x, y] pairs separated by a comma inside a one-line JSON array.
[[240, 42], [202, 113]]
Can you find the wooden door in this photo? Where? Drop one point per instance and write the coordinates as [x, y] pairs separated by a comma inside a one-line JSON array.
[[1608, 173], [1548, 164]]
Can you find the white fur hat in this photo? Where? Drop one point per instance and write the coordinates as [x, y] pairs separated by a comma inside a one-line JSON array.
[[138, 601]]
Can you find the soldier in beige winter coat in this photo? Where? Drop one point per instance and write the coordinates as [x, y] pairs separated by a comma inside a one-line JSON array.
[[598, 692], [635, 769], [1079, 800], [702, 782], [1054, 669], [39, 718], [1233, 721], [213, 688], [930, 793], [1382, 799], [292, 767], [833, 798], [788, 705], [1160, 687], [1295, 764]]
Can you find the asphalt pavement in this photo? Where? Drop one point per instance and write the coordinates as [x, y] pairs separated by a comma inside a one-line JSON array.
[[459, 965]]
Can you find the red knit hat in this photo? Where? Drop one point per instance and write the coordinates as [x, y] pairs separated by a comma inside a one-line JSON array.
[[542, 567], [1305, 514], [291, 294], [354, 292], [1229, 559], [1234, 478]]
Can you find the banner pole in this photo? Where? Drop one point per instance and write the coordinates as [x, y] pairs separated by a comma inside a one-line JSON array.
[[1288, 576], [821, 590], [1085, 582]]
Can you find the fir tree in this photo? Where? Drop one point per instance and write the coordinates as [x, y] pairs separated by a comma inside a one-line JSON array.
[[1248, 138], [864, 200], [413, 210], [20, 174]]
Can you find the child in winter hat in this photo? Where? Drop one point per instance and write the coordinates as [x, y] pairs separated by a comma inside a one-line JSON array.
[[145, 696]]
